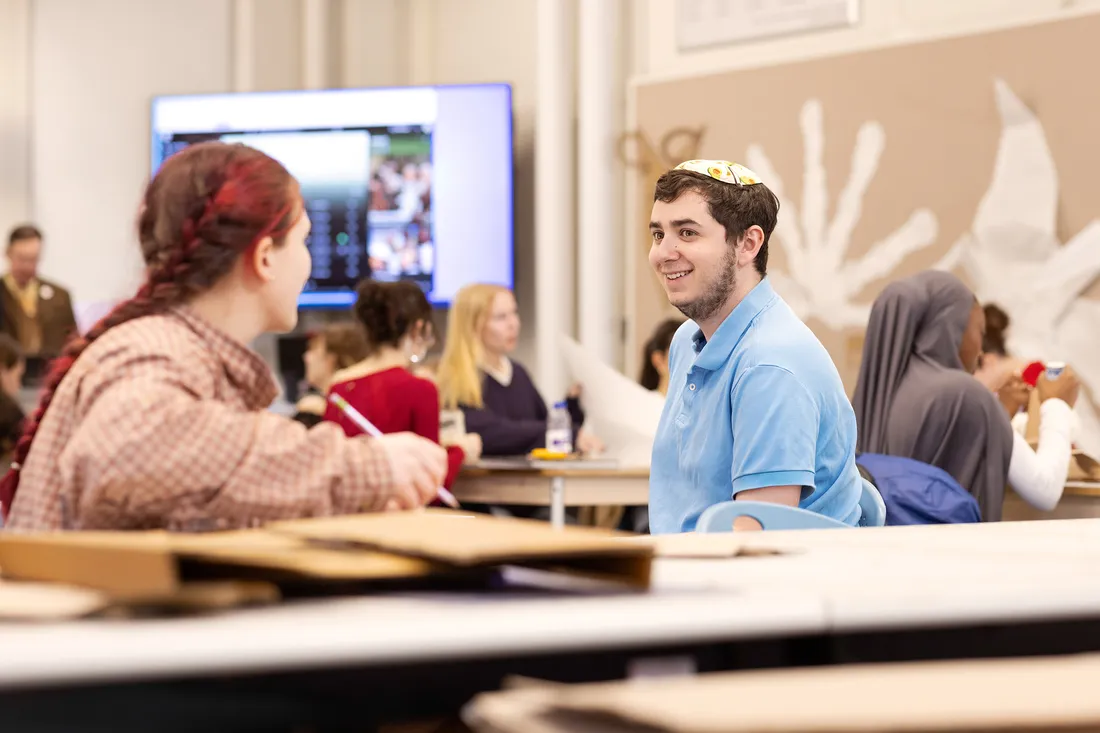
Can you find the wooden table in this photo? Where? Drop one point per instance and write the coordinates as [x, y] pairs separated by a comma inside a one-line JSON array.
[[1081, 500], [559, 488], [556, 486]]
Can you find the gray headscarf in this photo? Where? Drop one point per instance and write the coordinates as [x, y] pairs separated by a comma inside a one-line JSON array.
[[914, 398]]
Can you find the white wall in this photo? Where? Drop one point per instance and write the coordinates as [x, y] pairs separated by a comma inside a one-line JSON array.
[[494, 40], [373, 52], [95, 66], [15, 102], [277, 46], [454, 42], [882, 23]]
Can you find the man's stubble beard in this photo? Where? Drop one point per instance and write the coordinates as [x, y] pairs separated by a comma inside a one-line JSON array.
[[711, 301]]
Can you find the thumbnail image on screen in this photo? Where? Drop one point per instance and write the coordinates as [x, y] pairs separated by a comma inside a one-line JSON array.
[[400, 208]]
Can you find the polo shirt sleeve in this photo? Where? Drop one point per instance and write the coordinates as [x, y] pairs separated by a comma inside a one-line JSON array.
[[775, 426]]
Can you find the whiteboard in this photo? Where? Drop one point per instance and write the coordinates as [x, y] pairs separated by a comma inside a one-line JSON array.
[[701, 23]]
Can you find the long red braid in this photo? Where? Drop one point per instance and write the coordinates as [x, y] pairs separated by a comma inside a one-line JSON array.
[[208, 205]]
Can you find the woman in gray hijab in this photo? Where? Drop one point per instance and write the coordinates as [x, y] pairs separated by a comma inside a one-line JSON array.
[[916, 397]]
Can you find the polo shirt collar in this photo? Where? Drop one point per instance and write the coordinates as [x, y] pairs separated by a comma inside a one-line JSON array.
[[711, 355]]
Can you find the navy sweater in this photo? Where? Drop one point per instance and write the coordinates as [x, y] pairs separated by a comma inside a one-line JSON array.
[[513, 420]]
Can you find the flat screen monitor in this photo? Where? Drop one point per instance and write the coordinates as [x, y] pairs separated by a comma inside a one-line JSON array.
[[412, 183]]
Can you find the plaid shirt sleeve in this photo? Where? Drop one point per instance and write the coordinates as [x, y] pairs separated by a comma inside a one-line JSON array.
[[154, 449]]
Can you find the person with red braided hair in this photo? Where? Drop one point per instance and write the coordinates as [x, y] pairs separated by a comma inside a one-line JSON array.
[[156, 417]]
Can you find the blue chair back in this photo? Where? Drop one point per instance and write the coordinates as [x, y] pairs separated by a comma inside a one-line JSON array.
[[872, 506], [917, 493], [720, 517]]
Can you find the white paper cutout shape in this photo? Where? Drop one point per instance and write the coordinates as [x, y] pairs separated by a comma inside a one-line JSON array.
[[1013, 257], [820, 280]]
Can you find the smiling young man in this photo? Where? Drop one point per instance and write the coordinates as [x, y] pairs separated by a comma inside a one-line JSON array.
[[756, 409]]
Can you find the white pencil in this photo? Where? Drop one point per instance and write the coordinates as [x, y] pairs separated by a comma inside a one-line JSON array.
[[368, 427]]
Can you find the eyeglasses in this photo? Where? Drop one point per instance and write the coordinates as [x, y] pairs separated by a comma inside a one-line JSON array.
[[721, 170]]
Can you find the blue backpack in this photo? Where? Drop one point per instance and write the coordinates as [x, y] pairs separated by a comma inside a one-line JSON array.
[[917, 493]]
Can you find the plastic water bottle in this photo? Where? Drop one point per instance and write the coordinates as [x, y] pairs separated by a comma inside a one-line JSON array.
[[559, 430]]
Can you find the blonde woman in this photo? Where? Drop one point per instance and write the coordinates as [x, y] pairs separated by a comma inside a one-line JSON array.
[[497, 397]]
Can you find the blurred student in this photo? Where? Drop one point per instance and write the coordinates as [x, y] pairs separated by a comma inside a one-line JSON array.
[[654, 376], [336, 346], [997, 370], [495, 393], [916, 397], [12, 365], [157, 418], [37, 313], [396, 318]]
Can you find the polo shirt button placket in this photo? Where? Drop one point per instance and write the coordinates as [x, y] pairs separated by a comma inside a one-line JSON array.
[[692, 380], [688, 401]]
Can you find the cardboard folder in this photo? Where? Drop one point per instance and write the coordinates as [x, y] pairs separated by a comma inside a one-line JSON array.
[[1082, 467], [459, 539], [1037, 694], [137, 566]]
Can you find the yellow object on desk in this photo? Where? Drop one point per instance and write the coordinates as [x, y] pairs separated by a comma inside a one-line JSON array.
[[543, 454]]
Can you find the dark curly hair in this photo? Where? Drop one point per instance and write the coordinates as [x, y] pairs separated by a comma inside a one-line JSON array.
[[996, 330], [388, 311], [659, 343]]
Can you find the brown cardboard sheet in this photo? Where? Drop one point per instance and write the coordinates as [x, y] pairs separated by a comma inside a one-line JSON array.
[[473, 540], [48, 601], [461, 538], [146, 568], [1082, 467], [1037, 694]]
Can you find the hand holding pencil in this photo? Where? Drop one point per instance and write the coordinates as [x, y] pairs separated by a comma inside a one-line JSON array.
[[416, 461]]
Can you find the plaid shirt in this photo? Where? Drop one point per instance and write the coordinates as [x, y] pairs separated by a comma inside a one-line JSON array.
[[161, 423]]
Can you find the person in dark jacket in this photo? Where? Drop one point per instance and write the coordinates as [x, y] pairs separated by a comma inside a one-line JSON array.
[[37, 313], [12, 365]]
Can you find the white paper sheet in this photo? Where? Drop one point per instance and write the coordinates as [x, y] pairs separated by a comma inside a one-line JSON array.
[[617, 409]]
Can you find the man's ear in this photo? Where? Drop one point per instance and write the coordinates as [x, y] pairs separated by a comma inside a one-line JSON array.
[[261, 260], [749, 245]]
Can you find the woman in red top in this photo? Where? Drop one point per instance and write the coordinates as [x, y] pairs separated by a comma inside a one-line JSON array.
[[397, 320]]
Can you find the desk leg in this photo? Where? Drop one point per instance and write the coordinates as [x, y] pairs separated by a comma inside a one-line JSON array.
[[557, 502]]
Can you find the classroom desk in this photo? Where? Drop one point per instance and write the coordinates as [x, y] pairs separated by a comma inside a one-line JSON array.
[[1081, 500], [833, 596], [935, 576], [352, 663], [558, 488]]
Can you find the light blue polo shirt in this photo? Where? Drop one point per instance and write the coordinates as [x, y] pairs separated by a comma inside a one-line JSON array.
[[760, 404]]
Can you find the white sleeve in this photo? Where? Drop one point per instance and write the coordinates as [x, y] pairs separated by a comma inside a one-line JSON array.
[[1039, 476]]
